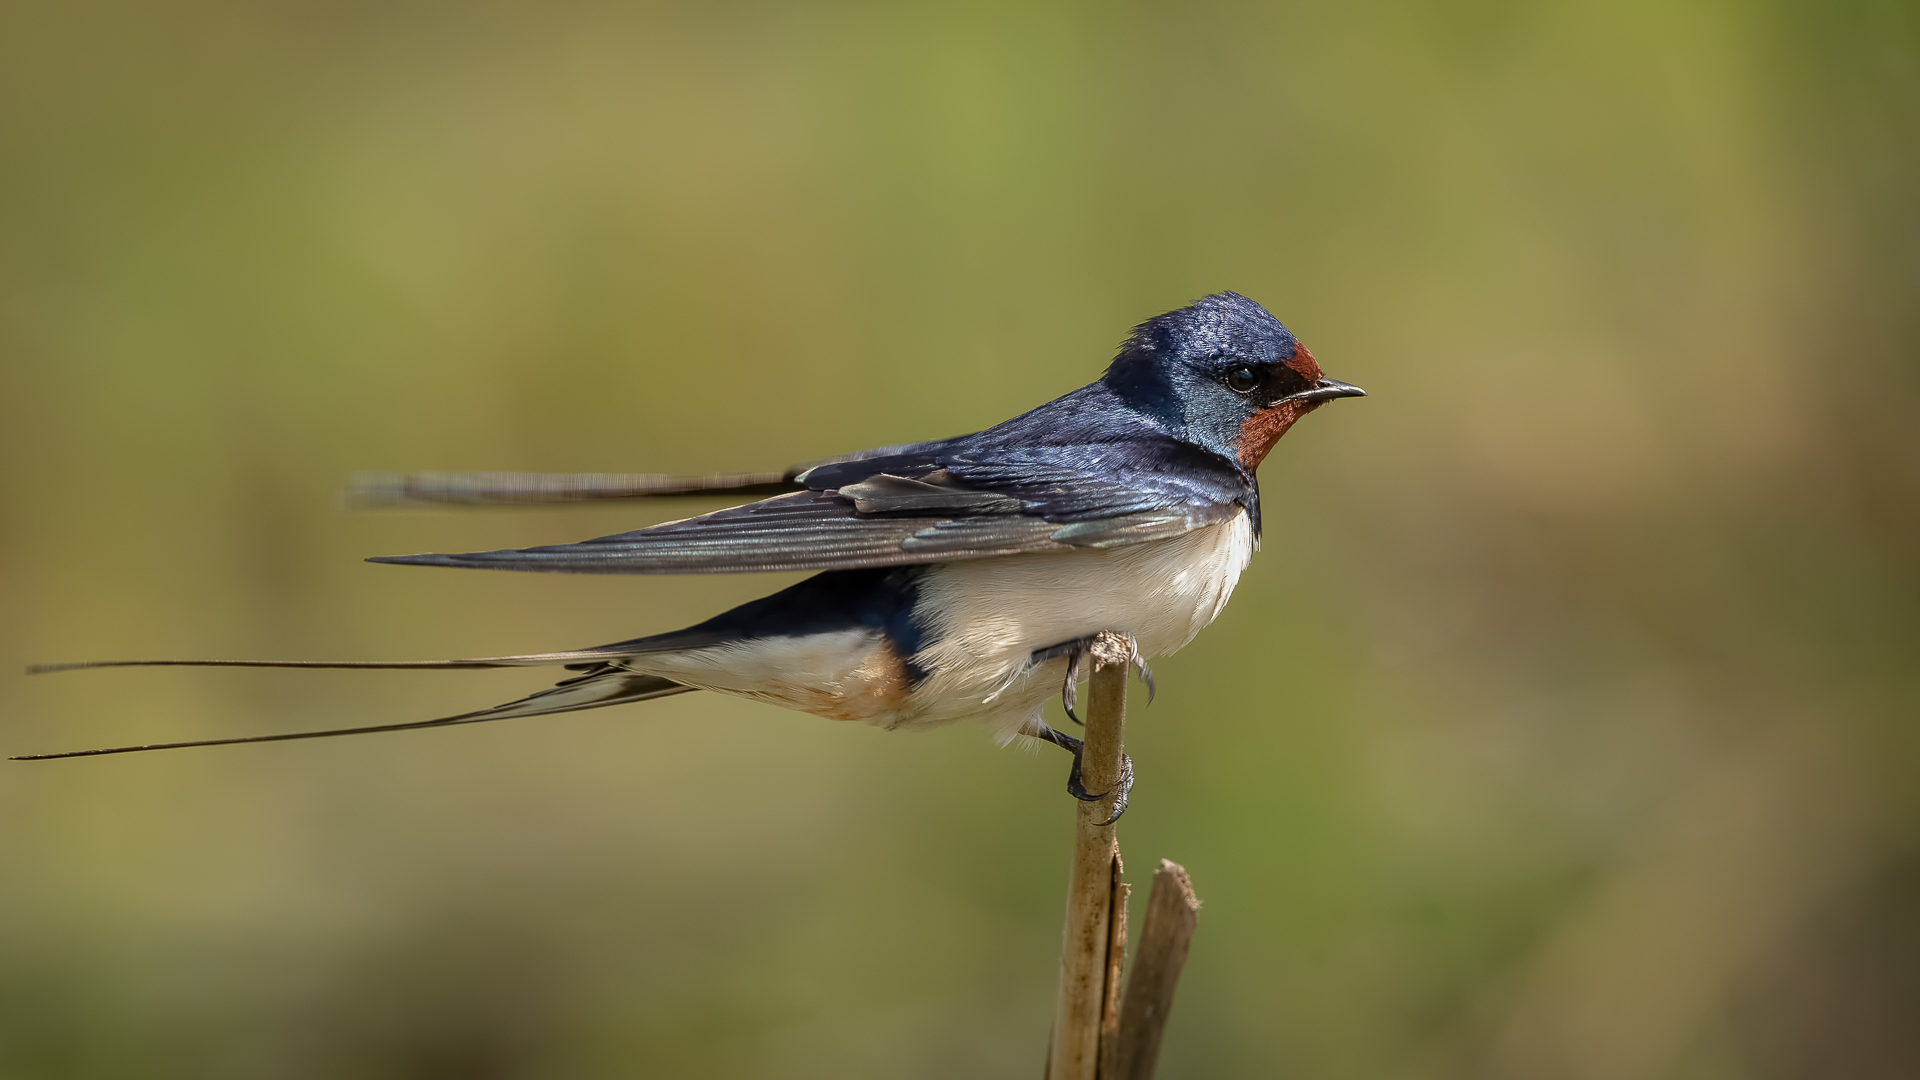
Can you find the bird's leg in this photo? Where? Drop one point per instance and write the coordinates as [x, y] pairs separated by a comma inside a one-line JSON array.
[[1146, 673], [1076, 651], [1078, 790]]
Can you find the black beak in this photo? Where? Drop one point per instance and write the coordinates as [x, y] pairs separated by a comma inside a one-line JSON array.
[[1327, 390]]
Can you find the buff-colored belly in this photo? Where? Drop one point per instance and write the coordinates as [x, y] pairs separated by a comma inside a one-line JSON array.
[[982, 620], [841, 675]]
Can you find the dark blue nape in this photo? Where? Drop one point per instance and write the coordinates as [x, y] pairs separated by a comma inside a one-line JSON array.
[[1157, 430]]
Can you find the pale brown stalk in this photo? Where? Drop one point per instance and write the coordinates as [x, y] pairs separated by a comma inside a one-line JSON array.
[[1087, 955]]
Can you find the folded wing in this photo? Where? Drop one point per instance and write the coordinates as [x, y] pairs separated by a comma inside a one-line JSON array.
[[1047, 481], [819, 530]]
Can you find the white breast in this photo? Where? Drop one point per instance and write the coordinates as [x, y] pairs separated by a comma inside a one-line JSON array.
[[985, 617]]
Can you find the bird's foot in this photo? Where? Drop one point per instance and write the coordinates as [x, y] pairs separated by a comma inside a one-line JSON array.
[[1103, 649], [1079, 790]]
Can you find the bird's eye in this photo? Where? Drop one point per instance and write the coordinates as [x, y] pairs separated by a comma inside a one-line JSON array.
[[1242, 380]]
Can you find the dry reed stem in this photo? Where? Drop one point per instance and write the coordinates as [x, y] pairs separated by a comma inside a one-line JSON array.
[[1116, 959], [1172, 912], [1086, 953]]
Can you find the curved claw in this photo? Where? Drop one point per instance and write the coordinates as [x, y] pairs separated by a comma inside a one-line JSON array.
[[1076, 653], [1146, 674], [1076, 747], [1071, 687], [1078, 790], [1120, 791]]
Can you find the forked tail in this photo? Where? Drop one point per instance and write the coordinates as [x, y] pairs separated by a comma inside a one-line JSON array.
[[605, 681], [576, 656]]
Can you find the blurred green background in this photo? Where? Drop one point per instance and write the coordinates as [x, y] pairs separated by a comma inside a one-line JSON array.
[[1565, 729]]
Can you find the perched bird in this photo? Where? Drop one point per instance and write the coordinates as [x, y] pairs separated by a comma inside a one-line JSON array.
[[957, 578]]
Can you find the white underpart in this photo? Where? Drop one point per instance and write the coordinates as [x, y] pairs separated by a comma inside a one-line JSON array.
[[985, 617], [982, 620], [792, 672]]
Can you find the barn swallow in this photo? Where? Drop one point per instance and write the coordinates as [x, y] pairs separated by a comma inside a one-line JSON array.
[[961, 578]]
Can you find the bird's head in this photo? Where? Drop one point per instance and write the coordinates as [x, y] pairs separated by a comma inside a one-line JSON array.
[[1222, 373]]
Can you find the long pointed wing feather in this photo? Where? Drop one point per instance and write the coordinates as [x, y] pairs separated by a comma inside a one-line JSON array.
[[550, 489], [378, 489]]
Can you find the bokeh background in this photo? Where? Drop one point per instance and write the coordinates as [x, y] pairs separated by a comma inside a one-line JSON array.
[[1564, 729]]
